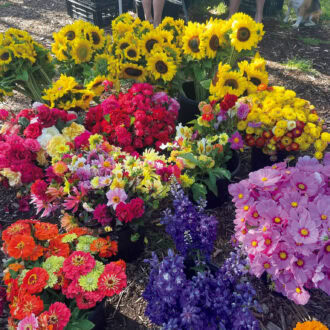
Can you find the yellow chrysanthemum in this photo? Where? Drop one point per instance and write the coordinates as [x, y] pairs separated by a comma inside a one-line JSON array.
[[161, 66], [193, 43], [244, 32], [81, 51], [133, 71], [96, 85]]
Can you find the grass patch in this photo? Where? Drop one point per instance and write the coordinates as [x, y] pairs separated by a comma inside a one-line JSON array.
[[313, 41], [4, 4], [301, 64]]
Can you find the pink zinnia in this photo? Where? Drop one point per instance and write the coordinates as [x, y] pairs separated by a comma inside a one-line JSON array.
[[236, 141], [72, 290], [261, 263], [59, 315], [85, 301], [303, 229], [112, 280], [265, 178], [78, 263], [28, 323], [116, 196]]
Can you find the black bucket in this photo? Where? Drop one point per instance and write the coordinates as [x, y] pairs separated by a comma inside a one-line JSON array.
[[260, 160]]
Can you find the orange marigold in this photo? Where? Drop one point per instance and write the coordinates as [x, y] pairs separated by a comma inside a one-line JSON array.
[[21, 246], [311, 325], [45, 231], [16, 228]]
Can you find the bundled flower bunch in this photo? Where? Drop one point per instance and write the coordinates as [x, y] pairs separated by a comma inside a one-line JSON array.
[[145, 53], [53, 279], [203, 150], [135, 120], [102, 186], [25, 65], [282, 223], [278, 120], [192, 230], [208, 300], [24, 141]]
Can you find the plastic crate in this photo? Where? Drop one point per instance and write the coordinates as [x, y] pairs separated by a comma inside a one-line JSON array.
[[98, 12], [271, 7]]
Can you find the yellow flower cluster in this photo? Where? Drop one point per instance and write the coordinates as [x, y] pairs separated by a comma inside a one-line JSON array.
[[280, 120], [67, 94]]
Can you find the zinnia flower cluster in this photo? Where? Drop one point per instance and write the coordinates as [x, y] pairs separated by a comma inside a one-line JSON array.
[[135, 120], [208, 300], [67, 265], [282, 223]]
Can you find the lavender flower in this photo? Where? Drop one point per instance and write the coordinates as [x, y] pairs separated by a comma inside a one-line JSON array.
[[189, 225], [242, 111]]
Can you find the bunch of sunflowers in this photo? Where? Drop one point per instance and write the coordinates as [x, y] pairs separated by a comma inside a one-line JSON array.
[[25, 65], [278, 120]]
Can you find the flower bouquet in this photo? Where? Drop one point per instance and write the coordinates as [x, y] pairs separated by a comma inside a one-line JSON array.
[[279, 121], [204, 151], [282, 224], [136, 119], [54, 280], [25, 65], [102, 187], [24, 141]]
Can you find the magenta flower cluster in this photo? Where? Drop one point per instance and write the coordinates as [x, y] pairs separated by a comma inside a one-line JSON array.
[[282, 223]]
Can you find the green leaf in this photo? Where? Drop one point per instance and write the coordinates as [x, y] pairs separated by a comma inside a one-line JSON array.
[[199, 191], [107, 118], [132, 120], [81, 325], [23, 122], [222, 173], [206, 83], [135, 237], [13, 274], [24, 76], [60, 124], [190, 157]]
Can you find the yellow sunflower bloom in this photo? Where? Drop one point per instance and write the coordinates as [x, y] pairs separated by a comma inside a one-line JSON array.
[[149, 40], [5, 56], [132, 53], [96, 85], [214, 37], [193, 43], [161, 66], [81, 51], [133, 71], [95, 36]]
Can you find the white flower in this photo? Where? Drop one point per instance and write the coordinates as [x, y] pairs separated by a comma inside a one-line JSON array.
[[87, 207], [47, 134], [291, 124]]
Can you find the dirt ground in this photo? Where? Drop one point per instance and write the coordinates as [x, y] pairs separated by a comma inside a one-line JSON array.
[[280, 44]]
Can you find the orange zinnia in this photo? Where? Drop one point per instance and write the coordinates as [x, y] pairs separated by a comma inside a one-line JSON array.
[[28, 304], [45, 231], [21, 246], [98, 244], [38, 251], [109, 250], [35, 280], [58, 248], [16, 228], [79, 231]]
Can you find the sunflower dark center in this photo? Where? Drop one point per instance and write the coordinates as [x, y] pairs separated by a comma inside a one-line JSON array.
[[97, 84], [132, 53], [133, 72], [70, 35], [214, 43], [124, 45], [78, 87], [96, 38], [5, 56], [231, 83], [243, 34], [256, 81], [194, 44], [161, 67], [150, 44]]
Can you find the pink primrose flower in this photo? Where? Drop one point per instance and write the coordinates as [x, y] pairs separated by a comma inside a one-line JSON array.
[[265, 178], [293, 200], [272, 212], [296, 292], [320, 210], [303, 267], [262, 263], [306, 184], [240, 193], [324, 254], [283, 256], [308, 164], [252, 242], [269, 242]]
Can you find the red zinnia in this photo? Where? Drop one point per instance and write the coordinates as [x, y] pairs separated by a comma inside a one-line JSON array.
[[112, 280], [58, 315], [45, 231], [136, 206], [35, 280], [124, 212], [16, 228], [78, 263], [21, 246], [27, 305]]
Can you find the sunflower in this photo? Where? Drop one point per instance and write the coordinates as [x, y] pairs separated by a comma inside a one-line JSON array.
[[149, 40], [244, 32], [193, 44], [222, 68], [95, 36], [132, 71], [258, 62], [120, 30], [5, 56], [17, 34], [213, 37], [69, 33], [161, 66], [81, 51], [132, 53], [231, 82], [85, 100], [166, 36], [96, 85], [114, 68]]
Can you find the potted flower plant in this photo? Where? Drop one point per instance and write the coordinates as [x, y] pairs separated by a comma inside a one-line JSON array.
[[282, 222], [55, 280], [100, 186]]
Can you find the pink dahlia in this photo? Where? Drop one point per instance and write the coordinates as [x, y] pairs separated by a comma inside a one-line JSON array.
[[303, 229], [116, 196], [59, 315], [28, 323], [236, 141], [102, 214], [306, 183], [265, 178], [78, 263], [112, 280]]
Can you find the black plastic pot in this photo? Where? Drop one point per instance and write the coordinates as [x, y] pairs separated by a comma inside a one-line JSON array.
[[188, 106], [98, 317], [260, 160], [213, 201], [128, 250]]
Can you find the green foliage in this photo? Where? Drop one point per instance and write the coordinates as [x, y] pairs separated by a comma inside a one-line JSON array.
[[301, 64]]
